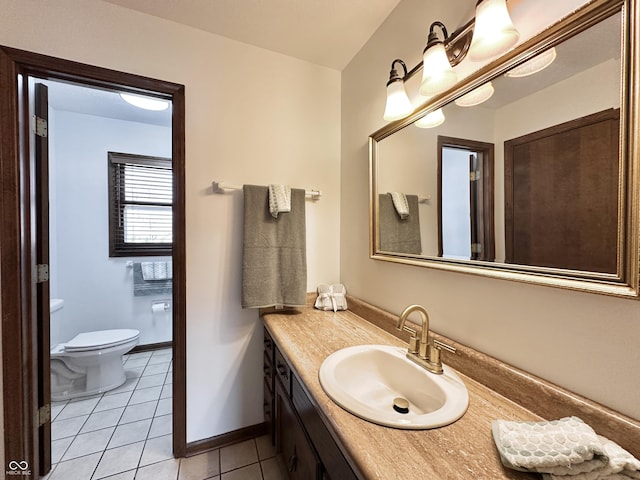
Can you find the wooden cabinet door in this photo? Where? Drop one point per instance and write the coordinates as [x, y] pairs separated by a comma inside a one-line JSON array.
[[291, 442]]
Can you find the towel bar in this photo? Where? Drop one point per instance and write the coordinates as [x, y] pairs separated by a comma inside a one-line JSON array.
[[221, 187]]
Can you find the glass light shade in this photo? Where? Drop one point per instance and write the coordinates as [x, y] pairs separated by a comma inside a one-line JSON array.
[[493, 32], [535, 65], [146, 103], [431, 120], [476, 96], [398, 103], [437, 74]]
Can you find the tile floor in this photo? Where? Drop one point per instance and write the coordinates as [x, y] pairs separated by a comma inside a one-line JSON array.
[[126, 433]]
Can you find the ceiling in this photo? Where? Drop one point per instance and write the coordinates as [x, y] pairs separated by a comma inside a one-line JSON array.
[[324, 32]]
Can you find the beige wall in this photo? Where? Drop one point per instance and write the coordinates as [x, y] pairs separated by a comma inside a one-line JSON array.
[[584, 342], [252, 116]]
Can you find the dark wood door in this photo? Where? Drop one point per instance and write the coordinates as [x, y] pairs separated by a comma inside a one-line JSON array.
[[41, 220], [561, 195]]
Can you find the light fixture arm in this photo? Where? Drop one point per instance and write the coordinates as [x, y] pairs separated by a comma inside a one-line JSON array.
[[393, 74], [432, 39]]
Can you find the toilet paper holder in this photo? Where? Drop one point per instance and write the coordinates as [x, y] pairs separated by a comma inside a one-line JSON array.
[[160, 306]]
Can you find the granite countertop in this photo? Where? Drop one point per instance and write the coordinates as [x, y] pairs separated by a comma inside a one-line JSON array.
[[462, 450]]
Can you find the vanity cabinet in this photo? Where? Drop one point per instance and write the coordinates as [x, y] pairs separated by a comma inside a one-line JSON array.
[[302, 441], [269, 384]]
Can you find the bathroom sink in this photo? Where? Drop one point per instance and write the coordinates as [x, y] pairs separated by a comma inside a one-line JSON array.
[[366, 380]]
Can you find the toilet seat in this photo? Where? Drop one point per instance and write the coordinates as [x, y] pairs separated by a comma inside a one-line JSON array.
[[100, 339]]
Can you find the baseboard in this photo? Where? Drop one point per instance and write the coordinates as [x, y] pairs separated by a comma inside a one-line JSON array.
[[151, 346], [229, 438]]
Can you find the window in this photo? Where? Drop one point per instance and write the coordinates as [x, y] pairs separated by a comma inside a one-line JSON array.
[[140, 205]]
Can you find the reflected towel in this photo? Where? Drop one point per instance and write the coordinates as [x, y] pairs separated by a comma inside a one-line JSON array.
[[274, 258], [398, 235], [400, 203], [279, 199], [157, 270]]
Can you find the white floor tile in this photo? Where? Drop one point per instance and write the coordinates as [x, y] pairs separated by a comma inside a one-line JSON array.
[[116, 400], [79, 407], [56, 409], [238, 455], [167, 470], [165, 407], [67, 428], [167, 391], [130, 433], [88, 443], [161, 426], [118, 460], [58, 447], [141, 395], [136, 362], [129, 384], [156, 369], [77, 469], [104, 419], [147, 381], [250, 472], [157, 449], [163, 358], [138, 411]]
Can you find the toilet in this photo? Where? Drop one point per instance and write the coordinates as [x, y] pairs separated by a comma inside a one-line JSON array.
[[89, 363]]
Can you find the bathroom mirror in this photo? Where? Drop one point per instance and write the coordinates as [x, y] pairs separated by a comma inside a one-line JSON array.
[[535, 184]]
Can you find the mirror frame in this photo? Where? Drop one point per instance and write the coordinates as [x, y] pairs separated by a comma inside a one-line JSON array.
[[624, 283]]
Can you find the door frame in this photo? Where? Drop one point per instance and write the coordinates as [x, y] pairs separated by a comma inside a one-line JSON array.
[[18, 303]]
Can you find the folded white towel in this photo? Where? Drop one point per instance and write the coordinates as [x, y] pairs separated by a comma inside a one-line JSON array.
[[331, 297], [559, 448], [279, 199], [157, 270], [400, 203]]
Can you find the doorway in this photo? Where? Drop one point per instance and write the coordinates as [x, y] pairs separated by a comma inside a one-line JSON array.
[[465, 199], [25, 284]]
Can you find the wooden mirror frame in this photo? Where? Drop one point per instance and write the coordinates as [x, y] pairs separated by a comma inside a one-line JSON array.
[[625, 283]]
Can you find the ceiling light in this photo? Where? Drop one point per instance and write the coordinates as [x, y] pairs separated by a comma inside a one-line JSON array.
[[476, 96], [535, 65], [431, 120], [398, 103], [146, 103], [437, 74], [493, 32]]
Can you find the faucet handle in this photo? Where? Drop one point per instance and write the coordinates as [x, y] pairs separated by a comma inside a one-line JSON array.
[[440, 345]]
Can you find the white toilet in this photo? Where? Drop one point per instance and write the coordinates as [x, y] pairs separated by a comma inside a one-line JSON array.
[[90, 362]]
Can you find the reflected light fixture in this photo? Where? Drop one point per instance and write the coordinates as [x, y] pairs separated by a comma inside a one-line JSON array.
[[431, 120], [398, 103], [493, 32], [146, 103], [437, 74], [535, 65], [476, 96]]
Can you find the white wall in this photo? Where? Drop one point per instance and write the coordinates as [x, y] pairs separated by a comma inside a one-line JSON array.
[[252, 116], [97, 289], [584, 342]]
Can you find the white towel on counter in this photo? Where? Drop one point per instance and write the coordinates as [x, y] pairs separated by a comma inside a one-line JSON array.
[[331, 297], [564, 448], [400, 203], [279, 199]]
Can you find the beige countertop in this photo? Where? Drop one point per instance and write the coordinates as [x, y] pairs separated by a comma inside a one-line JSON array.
[[463, 450]]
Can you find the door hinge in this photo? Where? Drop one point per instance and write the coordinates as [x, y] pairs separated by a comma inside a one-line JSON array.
[[42, 273], [476, 248], [40, 126], [43, 415], [475, 175]]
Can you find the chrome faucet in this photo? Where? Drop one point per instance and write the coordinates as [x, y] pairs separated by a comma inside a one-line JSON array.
[[421, 350]]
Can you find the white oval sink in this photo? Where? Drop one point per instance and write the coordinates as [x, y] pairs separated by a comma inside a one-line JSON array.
[[365, 380]]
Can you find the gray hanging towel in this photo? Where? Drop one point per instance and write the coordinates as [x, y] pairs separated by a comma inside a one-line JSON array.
[[396, 234], [274, 253]]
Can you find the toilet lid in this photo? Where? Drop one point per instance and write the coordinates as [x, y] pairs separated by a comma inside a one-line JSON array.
[[100, 339]]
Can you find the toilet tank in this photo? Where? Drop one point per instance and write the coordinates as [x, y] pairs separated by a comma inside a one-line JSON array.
[[55, 324]]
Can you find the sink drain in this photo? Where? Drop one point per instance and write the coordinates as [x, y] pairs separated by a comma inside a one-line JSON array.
[[401, 405]]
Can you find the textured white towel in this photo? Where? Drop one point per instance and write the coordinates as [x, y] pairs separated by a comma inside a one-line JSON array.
[[331, 297], [400, 203], [157, 270], [561, 448], [279, 199]]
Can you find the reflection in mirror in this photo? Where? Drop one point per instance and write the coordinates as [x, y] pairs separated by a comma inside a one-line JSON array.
[[522, 174]]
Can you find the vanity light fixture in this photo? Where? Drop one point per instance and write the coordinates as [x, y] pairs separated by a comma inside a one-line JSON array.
[[431, 120], [437, 74], [489, 34], [476, 96], [398, 103], [493, 32], [535, 65], [146, 103]]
